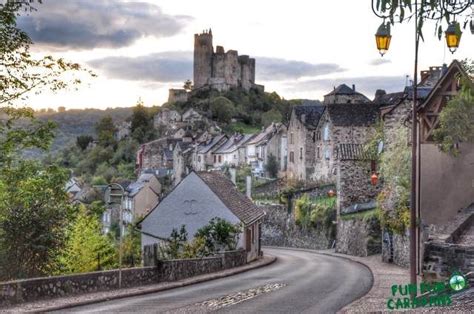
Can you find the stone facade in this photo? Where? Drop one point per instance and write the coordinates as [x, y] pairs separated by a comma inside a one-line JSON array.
[[343, 94], [359, 236], [396, 249], [221, 70], [279, 229], [177, 95], [61, 286], [166, 117]]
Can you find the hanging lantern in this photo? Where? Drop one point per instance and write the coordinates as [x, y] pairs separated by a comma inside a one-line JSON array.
[[382, 38], [331, 193], [374, 179], [453, 36]]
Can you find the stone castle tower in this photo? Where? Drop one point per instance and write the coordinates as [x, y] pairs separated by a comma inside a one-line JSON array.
[[221, 70]]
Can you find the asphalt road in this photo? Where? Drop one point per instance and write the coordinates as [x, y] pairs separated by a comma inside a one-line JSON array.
[[298, 282]]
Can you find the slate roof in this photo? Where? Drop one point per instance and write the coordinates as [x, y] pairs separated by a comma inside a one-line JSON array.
[[266, 134], [227, 192], [343, 89], [312, 114], [357, 114], [136, 186], [233, 143], [352, 152], [206, 147], [390, 99]]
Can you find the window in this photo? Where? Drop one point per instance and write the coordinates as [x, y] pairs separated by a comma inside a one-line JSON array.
[[291, 139], [318, 152], [373, 166], [292, 157], [215, 158], [301, 153], [314, 137], [326, 132], [327, 154], [199, 158], [220, 158]]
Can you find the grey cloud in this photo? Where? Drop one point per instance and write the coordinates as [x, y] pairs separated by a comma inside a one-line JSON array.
[[176, 66], [171, 66], [274, 69], [86, 24], [366, 85], [379, 61]]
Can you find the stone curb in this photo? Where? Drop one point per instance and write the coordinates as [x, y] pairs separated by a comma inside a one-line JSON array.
[[267, 260], [334, 255]]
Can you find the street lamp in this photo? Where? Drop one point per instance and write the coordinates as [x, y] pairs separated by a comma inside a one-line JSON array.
[[386, 10], [383, 37], [453, 36]]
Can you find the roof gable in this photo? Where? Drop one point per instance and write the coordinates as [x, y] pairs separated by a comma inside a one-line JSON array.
[[308, 115], [357, 114]]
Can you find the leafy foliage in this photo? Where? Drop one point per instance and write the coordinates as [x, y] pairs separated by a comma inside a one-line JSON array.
[[142, 124], [395, 171], [86, 246], [83, 141], [34, 210], [219, 235], [105, 130], [319, 212], [272, 166], [456, 119]]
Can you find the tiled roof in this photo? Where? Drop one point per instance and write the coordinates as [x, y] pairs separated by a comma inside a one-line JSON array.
[[358, 114], [227, 192], [352, 152], [312, 114]]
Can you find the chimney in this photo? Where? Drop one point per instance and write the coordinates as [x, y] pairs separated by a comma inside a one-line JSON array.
[[444, 69], [353, 87], [249, 187], [379, 93]]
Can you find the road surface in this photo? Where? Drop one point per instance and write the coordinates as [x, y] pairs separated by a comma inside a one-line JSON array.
[[298, 282]]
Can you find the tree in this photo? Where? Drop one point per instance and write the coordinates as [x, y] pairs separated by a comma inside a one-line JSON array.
[[142, 124], [456, 119], [439, 11], [222, 109], [86, 246], [188, 85], [34, 209], [271, 116], [83, 141], [272, 166], [105, 129]]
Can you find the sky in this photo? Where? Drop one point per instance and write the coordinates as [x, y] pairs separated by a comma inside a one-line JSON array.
[[303, 48]]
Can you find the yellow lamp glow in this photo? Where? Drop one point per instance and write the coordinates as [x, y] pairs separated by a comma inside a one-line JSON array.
[[453, 36], [382, 38]]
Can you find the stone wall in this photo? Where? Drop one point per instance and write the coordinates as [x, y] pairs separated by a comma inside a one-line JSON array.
[[441, 259], [279, 229], [359, 236], [396, 249], [60, 286]]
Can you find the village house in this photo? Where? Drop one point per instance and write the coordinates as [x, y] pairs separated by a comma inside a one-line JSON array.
[[198, 198], [302, 138], [203, 157], [343, 94], [182, 160], [346, 123], [142, 195], [275, 144], [166, 117], [156, 155], [228, 153], [191, 116]]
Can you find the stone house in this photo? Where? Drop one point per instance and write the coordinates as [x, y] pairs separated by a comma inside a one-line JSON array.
[[177, 95], [302, 139], [356, 194], [142, 195], [276, 144], [198, 198], [191, 116], [166, 117], [155, 155], [343, 94], [347, 123], [179, 134], [182, 160], [228, 153], [203, 157]]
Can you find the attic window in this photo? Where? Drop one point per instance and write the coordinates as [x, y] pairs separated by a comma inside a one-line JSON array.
[[314, 137]]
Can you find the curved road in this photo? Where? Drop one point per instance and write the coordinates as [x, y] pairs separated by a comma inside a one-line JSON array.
[[298, 282]]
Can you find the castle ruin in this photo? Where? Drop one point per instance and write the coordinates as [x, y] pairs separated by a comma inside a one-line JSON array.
[[221, 70]]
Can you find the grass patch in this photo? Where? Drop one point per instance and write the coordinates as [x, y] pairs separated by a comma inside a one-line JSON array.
[[365, 215], [242, 128]]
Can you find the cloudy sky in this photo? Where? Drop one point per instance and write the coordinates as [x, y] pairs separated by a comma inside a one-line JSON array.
[[302, 48]]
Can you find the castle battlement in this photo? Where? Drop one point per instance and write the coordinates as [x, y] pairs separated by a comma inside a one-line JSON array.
[[220, 69]]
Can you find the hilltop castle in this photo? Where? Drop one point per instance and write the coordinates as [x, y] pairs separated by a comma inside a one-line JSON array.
[[218, 70], [221, 70]]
